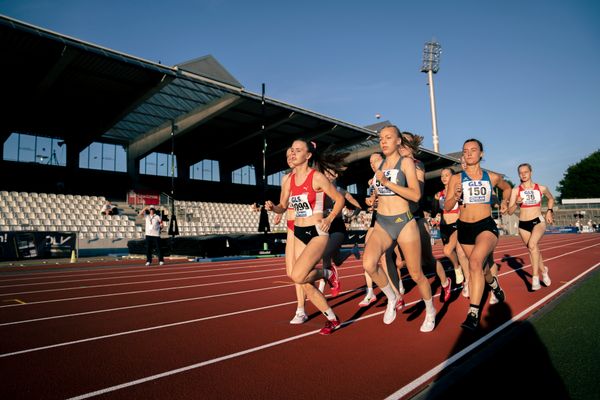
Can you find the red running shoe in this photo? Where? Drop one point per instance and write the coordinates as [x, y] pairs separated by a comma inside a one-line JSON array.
[[445, 295], [330, 326], [334, 282]]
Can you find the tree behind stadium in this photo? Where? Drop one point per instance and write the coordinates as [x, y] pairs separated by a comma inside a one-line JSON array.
[[581, 180]]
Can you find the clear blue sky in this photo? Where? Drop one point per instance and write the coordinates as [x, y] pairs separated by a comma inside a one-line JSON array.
[[521, 76]]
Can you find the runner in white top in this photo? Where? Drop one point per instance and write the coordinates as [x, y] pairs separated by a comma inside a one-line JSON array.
[[528, 196]]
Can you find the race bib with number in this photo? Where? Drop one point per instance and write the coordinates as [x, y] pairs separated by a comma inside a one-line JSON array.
[[531, 197], [301, 205], [392, 176], [477, 192]]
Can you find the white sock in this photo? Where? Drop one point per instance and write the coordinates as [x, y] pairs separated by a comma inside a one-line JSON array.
[[370, 291], [389, 293], [429, 309], [447, 282], [329, 314], [300, 310]]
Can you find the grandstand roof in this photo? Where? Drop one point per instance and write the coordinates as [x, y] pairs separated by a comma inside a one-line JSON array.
[[64, 87]]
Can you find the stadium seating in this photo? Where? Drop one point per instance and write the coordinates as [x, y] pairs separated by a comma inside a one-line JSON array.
[[23, 211], [32, 211]]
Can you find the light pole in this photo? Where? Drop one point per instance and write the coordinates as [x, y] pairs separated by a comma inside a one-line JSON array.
[[431, 65]]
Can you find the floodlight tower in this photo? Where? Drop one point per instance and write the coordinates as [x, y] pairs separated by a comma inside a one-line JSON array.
[[431, 65]]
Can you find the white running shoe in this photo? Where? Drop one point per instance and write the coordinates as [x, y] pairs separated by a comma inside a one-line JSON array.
[[535, 283], [148, 264], [369, 298], [493, 298], [546, 277], [299, 318], [429, 323], [161, 263], [390, 311], [458, 274]]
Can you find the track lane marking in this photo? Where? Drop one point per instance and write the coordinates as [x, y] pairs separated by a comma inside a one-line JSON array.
[[415, 384], [397, 395]]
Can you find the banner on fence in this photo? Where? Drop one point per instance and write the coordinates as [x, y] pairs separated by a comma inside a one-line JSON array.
[[32, 245]]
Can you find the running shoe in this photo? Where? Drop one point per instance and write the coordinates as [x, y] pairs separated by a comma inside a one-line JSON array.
[[471, 322], [334, 282], [390, 311], [369, 299], [356, 252], [429, 323], [546, 277], [458, 275], [535, 283], [299, 318], [445, 295], [161, 263], [148, 264], [498, 292], [330, 326]]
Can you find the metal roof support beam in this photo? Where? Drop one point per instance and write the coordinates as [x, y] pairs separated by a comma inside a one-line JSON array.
[[154, 138], [66, 57], [308, 136], [272, 125]]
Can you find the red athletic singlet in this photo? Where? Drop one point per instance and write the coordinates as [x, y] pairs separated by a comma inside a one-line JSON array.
[[304, 199]]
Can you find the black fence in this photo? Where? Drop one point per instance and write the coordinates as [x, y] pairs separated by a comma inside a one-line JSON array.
[[21, 245], [210, 246]]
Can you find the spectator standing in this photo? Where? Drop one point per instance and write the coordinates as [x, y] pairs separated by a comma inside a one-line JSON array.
[[153, 227]]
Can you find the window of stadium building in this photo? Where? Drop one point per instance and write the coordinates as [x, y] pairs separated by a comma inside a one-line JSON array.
[[352, 189], [22, 147], [104, 156], [244, 175], [275, 179], [205, 170], [159, 164]]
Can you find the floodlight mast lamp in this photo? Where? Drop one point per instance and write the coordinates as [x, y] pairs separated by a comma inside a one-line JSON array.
[[431, 65]]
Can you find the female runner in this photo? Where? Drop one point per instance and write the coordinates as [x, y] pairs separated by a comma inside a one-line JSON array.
[[307, 188], [370, 297], [337, 231], [396, 184], [532, 225], [408, 149], [448, 233], [300, 315], [477, 230]]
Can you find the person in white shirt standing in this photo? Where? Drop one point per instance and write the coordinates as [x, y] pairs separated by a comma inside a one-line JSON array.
[[153, 227]]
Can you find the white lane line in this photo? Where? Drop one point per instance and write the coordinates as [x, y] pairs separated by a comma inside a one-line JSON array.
[[193, 299], [148, 281], [403, 391], [159, 290], [440, 367], [201, 266], [213, 361], [146, 276], [110, 268], [156, 271], [161, 303]]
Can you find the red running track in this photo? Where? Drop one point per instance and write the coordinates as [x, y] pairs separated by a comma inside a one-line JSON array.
[[220, 330]]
